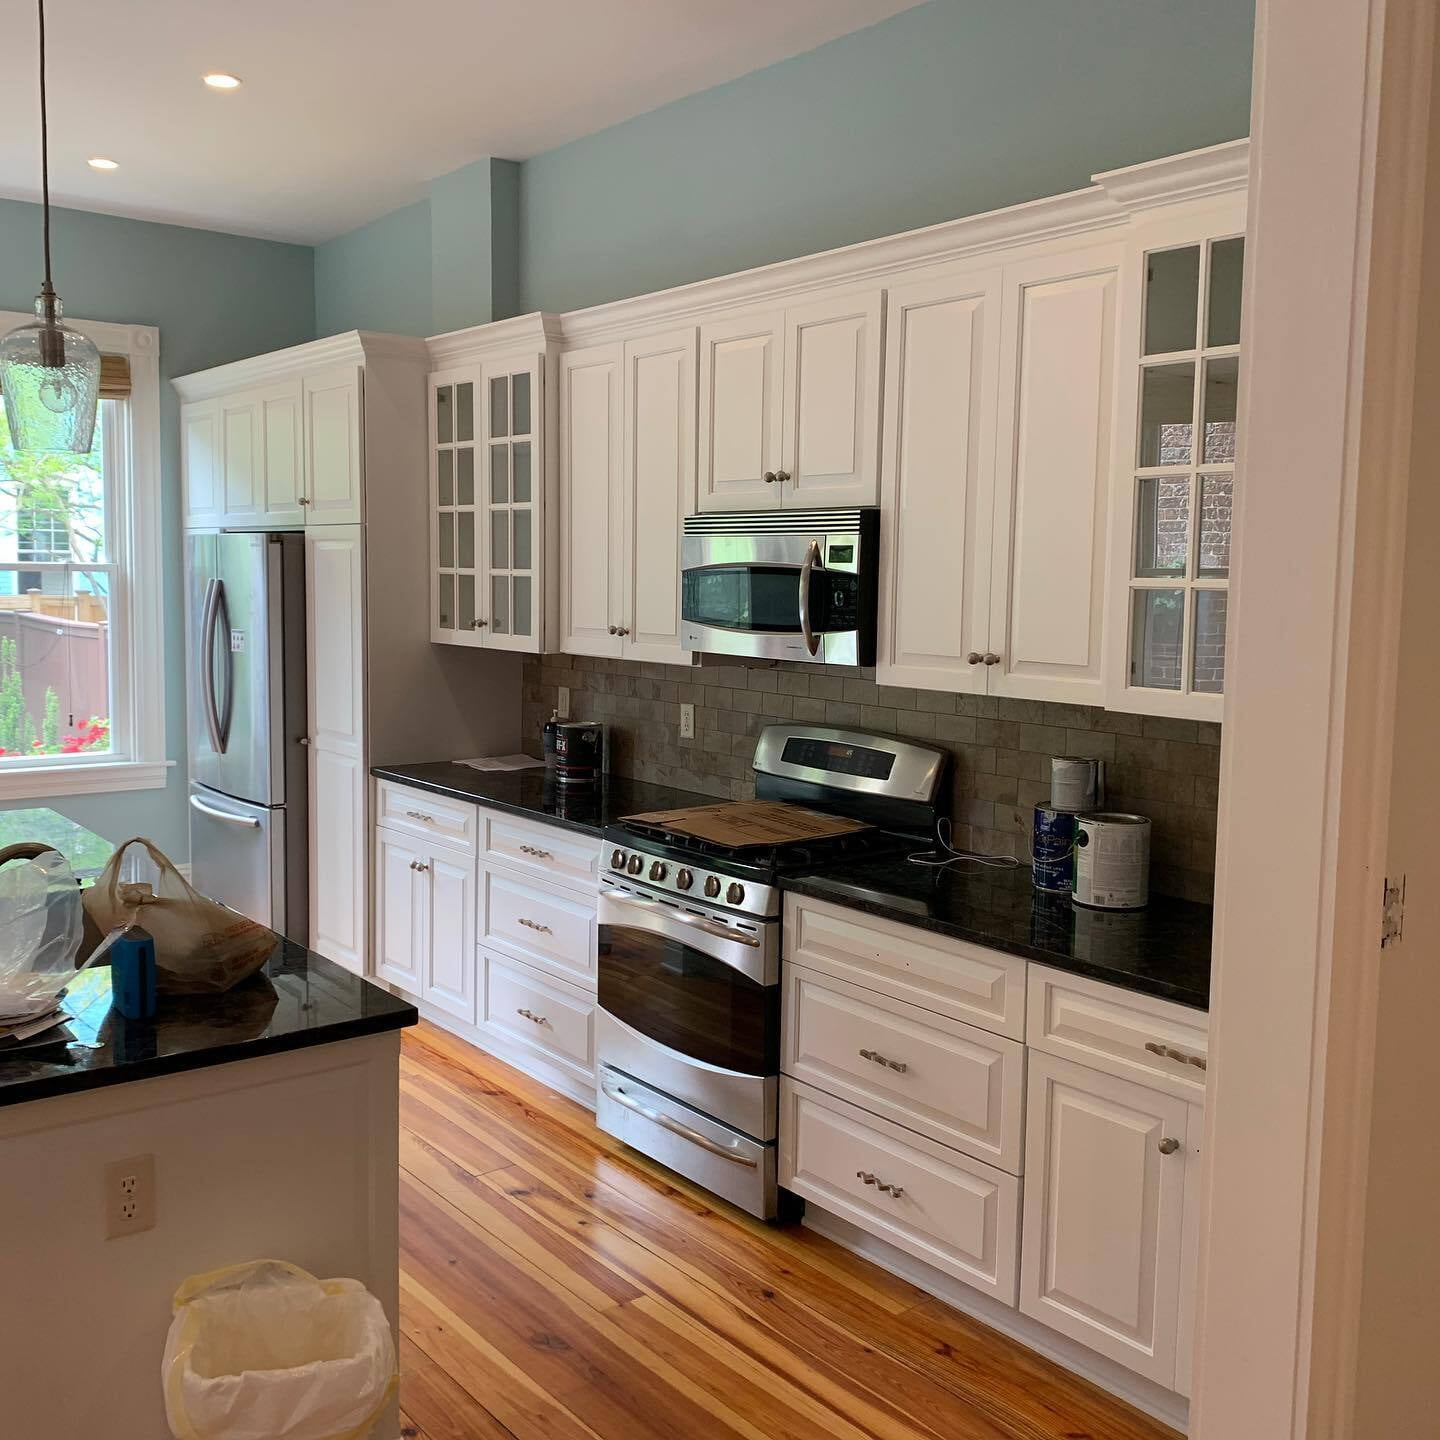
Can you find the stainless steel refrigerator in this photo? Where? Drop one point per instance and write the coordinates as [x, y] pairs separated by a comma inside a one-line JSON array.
[[245, 651]]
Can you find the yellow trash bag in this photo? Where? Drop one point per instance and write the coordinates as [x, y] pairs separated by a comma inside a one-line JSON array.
[[265, 1351]]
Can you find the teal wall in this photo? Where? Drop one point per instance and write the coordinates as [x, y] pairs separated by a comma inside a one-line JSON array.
[[952, 108], [215, 298], [377, 277]]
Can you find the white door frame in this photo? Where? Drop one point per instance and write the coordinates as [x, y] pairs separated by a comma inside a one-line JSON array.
[[1331, 288]]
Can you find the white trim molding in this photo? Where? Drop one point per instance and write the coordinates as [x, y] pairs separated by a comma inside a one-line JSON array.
[[352, 347], [77, 778]]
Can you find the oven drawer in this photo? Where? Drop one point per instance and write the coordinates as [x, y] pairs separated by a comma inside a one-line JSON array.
[[541, 1013], [965, 982], [549, 929], [955, 1213], [560, 856], [953, 1082], [1131, 1036], [452, 823]]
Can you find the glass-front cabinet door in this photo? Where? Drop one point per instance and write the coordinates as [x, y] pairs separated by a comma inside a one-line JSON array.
[[456, 613], [513, 490], [1177, 479]]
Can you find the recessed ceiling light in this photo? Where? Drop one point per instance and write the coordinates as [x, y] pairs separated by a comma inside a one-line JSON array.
[[219, 80], [99, 162]]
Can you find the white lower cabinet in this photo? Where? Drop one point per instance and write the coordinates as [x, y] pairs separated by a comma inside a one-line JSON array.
[[541, 1014]]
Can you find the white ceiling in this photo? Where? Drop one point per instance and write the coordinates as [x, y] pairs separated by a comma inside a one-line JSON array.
[[350, 106]]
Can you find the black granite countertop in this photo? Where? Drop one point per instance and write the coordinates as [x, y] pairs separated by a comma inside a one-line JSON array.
[[534, 793], [298, 1000], [1162, 950]]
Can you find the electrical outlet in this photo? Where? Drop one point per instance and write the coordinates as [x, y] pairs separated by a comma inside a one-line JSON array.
[[687, 722], [129, 1196], [562, 702]]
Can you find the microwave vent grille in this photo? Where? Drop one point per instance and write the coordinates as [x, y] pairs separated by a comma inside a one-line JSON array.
[[775, 522]]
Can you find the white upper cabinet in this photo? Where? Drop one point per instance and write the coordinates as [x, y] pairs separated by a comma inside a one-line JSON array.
[[1052, 467], [455, 517], [200, 465], [627, 466], [999, 393], [282, 438], [333, 445], [941, 366], [790, 405], [242, 459]]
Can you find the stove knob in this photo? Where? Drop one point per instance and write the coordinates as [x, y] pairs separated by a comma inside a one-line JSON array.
[[685, 879], [712, 886], [735, 894], [617, 860], [636, 865], [659, 870]]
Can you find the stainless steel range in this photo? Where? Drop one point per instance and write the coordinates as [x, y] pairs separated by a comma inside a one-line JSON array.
[[688, 1029]]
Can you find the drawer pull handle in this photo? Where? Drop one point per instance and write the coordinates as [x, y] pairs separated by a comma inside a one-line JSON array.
[[1170, 1053], [534, 925], [419, 865], [538, 854], [900, 1066], [1169, 1146], [420, 815], [533, 1017], [894, 1191], [866, 1176]]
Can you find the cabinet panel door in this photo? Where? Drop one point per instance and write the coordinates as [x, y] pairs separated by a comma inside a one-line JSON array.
[[337, 857], [242, 458], [1100, 1253], [741, 390], [659, 486], [1190, 1251], [1052, 477], [449, 982], [458, 610], [400, 911], [334, 578], [200, 462], [333, 447], [832, 401], [281, 438], [943, 350], [591, 508]]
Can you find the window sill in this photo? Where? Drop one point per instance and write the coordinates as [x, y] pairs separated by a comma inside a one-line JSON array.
[[33, 782]]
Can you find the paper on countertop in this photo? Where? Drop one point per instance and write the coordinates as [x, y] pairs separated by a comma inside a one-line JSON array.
[[503, 762], [23, 1031]]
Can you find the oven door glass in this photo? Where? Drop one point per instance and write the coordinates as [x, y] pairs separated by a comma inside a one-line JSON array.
[[686, 1000], [766, 598]]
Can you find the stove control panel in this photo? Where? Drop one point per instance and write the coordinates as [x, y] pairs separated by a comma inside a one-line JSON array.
[[689, 884]]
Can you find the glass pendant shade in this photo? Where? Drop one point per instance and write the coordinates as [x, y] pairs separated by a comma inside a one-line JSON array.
[[50, 375]]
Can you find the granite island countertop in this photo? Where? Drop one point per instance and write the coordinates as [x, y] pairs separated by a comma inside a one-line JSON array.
[[299, 999], [1162, 950], [538, 796]]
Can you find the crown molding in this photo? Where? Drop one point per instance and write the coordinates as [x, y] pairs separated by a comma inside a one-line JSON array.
[[1173, 179], [482, 342], [354, 347]]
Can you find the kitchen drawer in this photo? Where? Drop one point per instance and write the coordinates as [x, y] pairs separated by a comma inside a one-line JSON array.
[[549, 929], [1134, 1037], [541, 1013], [560, 856], [953, 1212], [966, 982], [956, 1083], [451, 823]]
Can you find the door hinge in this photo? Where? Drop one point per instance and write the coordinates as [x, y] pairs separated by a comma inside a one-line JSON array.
[[1392, 912]]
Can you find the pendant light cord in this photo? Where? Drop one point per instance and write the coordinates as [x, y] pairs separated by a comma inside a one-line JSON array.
[[45, 154]]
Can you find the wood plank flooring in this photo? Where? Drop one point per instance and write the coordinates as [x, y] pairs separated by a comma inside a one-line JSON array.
[[555, 1286]]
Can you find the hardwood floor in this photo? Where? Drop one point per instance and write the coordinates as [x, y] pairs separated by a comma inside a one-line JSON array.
[[556, 1285]]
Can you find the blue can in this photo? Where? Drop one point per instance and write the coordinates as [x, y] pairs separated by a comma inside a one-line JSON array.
[[1052, 850], [133, 974]]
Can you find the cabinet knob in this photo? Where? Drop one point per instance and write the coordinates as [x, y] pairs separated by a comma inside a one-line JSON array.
[[974, 657], [478, 624], [770, 477], [304, 740], [304, 499], [614, 629], [1169, 1146], [991, 658], [782, 476], [622, 629]]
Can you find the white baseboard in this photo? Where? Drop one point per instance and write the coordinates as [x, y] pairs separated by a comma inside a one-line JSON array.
[[1143, 1394]]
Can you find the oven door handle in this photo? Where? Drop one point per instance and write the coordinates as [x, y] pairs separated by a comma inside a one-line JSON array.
[[807, 569], [696, 922], [616, 1092]]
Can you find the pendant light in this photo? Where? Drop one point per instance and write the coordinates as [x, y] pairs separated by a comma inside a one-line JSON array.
[[50, 374]]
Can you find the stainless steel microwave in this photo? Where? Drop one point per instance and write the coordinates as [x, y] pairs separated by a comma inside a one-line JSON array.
[[781, 584]]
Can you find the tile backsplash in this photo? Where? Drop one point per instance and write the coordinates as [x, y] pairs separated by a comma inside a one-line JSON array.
[[1166, 769]]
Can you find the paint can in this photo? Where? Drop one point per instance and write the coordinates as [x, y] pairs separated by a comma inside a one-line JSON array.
[[1052, 850], [1112, 861], [1077, 783]]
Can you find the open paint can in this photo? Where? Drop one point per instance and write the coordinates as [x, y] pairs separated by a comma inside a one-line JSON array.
[[1112, 861], [1077, 783], [1052, 850]]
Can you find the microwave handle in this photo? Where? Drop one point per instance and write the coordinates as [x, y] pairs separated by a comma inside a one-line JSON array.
[[807, 568]]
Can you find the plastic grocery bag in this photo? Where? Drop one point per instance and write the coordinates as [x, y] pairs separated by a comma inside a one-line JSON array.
[[41, 924], [265, 1351], [201, 946]]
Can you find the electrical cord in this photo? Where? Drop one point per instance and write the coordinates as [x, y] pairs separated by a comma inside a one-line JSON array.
[[946, 854]]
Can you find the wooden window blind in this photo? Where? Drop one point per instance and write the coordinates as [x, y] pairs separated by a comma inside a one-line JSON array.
[[114, 377]]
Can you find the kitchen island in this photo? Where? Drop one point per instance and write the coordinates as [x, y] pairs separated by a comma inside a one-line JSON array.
[[270, 1115]]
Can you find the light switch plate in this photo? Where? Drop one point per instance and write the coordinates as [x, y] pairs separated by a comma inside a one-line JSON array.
[[562, 702]]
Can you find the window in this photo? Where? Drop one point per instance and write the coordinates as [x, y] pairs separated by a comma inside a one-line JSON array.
[[81, 676]]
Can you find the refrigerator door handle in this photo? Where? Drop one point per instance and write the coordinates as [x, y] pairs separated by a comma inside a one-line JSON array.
[[207, 667], [245, 822], [219, 620]]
